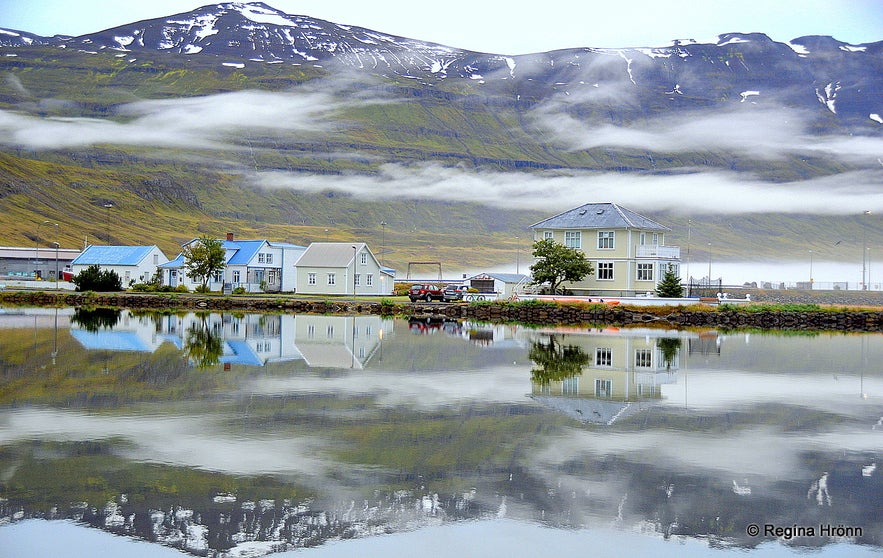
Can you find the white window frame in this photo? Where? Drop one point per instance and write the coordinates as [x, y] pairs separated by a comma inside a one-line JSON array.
[[644, 272], [548, 235], [311, 278], [606, 240], [364, 256], [573, 239], [369, 280], [357, 279], [603, 357], [643, 358], [332, 279], [603, 388], [607, 266]]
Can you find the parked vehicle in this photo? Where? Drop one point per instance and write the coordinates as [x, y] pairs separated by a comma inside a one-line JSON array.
[[425, 292], [454, 293]]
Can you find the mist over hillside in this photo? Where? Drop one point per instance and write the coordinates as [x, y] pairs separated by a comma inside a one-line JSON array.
[[239, 117]]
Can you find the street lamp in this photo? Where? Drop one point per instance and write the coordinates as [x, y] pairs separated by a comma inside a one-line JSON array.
[[864, 253], [810, 270], [382, 241], [107, 206]]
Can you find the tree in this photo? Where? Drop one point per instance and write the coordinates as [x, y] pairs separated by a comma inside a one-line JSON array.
[[93, 278], [670, 286], [557, 263], [556, 362], [203, 258]]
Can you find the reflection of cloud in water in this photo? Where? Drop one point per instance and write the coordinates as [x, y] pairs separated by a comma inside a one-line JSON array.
[[193, 441], [421, 390]]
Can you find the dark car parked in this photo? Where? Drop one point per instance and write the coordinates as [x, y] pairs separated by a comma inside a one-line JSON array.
[[425, 292], [453, 293]]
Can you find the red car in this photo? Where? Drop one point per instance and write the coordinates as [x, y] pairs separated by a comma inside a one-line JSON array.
[[425, 292]]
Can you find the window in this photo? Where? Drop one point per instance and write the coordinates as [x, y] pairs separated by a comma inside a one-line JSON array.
[[271, 277], [603, 388], [605, 271], [364, 258], [657, 240], [643, 358], [261, 258], [548, 235], [645, 272], [331, 279], [218, 276], [369, 279], [128, 275], [572, 239], [570, 386], [311, 278], [156, 259], [235, 276], [357, 279], [603, 356], [605, 240], [259, 276]]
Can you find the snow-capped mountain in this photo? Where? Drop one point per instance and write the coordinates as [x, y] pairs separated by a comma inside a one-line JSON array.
[[819, 72]]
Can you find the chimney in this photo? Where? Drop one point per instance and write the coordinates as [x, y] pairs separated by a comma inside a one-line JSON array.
[[230, 237]]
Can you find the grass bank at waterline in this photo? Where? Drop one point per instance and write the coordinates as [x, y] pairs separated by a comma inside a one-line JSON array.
[[759, 315]]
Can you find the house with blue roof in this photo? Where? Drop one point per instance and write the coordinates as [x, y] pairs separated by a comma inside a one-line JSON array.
[[627, 250], [133, 264], [255, 265]]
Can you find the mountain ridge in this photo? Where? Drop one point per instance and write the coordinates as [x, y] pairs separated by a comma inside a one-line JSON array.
[[426, 130]]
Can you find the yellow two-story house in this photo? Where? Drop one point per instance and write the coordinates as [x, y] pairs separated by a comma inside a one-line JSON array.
[[627, 250]]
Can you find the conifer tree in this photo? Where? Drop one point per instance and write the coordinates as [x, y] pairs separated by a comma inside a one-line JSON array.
[[670, 286]]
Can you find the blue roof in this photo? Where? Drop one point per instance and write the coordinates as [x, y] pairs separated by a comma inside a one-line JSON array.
[[238, 252], [112, 255], [243, 251], [240, 353], [110, 341]]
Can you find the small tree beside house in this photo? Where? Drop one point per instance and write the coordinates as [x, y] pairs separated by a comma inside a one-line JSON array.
[[670, 286], [204, 258], [557, 263]]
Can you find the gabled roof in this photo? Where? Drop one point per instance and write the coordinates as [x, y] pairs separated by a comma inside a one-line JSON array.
[[599, 216], [113, 255], [237, 252], [504, 277], [330, 254]]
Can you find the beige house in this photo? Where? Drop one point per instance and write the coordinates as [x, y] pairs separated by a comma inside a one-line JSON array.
[[627, 250], [341, 268], [623, 370]]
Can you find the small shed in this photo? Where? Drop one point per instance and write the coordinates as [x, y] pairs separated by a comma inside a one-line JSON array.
[[505, 284]]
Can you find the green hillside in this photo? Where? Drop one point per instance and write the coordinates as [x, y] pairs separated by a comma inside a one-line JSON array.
[[172, 192]]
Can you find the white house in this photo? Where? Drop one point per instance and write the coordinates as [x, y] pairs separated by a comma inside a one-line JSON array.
[[255, 265], [134, 264], [342, 268]]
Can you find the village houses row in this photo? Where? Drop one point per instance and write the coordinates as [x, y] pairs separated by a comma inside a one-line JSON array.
[[627, 251]]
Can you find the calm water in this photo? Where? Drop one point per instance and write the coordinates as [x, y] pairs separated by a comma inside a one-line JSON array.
[[247, 434]]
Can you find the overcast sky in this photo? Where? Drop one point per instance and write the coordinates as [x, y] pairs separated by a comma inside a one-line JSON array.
[[504, 27]]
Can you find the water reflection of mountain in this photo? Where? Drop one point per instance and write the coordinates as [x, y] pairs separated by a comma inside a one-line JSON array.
[[431, 428], [244, 339]]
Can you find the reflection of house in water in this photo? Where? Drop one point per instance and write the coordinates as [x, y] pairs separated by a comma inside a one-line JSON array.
[[603, 375], [340, 341], [249, 339], [129, 333], [258, 339]]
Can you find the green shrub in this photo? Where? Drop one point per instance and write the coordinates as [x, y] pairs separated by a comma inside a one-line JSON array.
[[93, 278]]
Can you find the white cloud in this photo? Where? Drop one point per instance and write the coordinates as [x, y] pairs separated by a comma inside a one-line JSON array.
[[693, 191]]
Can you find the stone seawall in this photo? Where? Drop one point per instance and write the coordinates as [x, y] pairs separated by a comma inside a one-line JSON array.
[[837, 319]]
